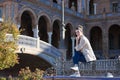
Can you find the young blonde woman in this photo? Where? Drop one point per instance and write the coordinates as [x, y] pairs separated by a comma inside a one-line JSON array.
[[83, 50]]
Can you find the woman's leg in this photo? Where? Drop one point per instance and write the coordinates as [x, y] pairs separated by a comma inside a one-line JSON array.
[[78, 57], [81, 57]]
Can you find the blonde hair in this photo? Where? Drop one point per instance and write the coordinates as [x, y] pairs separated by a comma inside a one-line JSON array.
[[80, 28]]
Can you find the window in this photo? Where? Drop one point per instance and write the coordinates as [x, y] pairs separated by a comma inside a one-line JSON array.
[[73, 4], [114, 7], [91, 7], [55, 1]]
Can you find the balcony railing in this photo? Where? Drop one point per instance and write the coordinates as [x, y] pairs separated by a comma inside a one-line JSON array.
[[59, 7], [100, 16]]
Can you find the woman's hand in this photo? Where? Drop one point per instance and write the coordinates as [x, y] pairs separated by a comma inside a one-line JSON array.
[[77, 38]]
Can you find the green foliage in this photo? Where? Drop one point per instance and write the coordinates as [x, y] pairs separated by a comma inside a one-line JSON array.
[[2, 78], [26, 74], [8, 57]]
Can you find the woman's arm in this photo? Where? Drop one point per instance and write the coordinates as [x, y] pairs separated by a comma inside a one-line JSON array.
[[79, 46]]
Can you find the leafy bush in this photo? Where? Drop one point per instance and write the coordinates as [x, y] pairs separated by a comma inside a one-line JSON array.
[[2, 78], [8, 57], [27, 74]]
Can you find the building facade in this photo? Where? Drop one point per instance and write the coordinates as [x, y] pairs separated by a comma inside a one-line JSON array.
[[43, 19]]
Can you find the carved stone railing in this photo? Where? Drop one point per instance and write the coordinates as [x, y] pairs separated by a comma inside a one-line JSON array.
[[27, 41], [100, 67], [47, 51], [96, 68], [58, 7], [100, 16]]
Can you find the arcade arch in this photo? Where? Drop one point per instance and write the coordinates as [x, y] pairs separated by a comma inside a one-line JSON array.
[[68, 41], [43, 28], [56, 33], [114, 37], [96, 40], [26, 24], [55, 1]]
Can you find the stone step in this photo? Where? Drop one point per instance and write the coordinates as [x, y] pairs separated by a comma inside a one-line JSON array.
[[81, 78]]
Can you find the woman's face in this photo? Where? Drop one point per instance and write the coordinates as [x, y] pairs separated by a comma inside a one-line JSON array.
[[78, 32]]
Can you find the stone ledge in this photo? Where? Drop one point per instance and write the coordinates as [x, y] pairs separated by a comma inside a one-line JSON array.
[[81, 78]]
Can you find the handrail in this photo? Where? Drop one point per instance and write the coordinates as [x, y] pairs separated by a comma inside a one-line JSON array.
[[100, 16], [104, 64], [100, 67], [32, 42]]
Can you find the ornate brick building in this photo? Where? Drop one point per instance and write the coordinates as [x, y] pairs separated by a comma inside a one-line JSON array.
[[100, 19], [43, 19]]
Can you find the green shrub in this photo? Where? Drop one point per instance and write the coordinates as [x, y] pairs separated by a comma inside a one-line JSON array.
[[8, 57], [2, 78], [26, 74]]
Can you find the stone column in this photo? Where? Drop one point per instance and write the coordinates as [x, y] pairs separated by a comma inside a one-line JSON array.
[[83, 6], [50, 36], [73, 43], [79, 8], [105, 43], [94, 8], [36, 31], [62, 29], [63, 24], [38, 38], [62, 37], [88, 7]]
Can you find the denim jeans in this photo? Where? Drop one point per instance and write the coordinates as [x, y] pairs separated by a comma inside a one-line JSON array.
[[78, 57]]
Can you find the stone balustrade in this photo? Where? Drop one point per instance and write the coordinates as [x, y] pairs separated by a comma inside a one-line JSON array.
[[96, 68], [100, 67], [45, 50], [99, 16]]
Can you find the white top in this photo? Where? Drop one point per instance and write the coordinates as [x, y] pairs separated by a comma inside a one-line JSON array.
[[85, 47]]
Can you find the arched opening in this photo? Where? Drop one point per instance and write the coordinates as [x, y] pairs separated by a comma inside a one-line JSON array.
[[56, 33], [42, 27], [73, 4], [68, 42], [26, 60], [26, 24], [114, 37], [96, 41], [91, 7], [55, 1]]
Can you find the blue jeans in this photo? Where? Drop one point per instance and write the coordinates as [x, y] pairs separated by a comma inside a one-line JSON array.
[[78, 56]]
